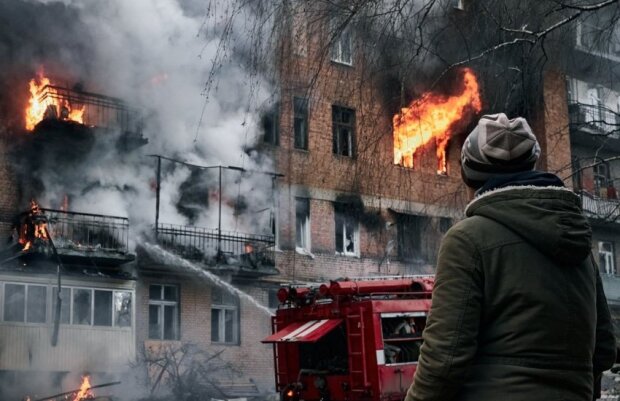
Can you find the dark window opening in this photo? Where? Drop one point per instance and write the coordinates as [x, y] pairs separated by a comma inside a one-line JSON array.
[[347, 230], [343, 127], [271, 125], [300, 123]]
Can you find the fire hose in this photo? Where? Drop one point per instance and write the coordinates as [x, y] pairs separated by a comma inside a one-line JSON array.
[[58, 291]]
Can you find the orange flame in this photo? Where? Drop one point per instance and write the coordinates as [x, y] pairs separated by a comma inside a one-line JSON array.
[[42, 98], [85, 391], [432, 116], [34, 228]]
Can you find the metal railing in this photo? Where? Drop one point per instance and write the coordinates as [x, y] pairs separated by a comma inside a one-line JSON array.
[[604, 209], [600, 118], [99, 110], [213, 247], [87, 232]]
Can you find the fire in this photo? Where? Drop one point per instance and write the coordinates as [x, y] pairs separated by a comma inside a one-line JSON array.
[[433, 116], [85, 392], [44, 101], [35, 227]]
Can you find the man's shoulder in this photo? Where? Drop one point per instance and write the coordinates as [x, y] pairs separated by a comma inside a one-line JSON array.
[[479, 231]]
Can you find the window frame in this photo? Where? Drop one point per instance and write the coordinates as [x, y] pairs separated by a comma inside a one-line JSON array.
[[161, 303], [338, 125], [608, 256], [272, 114], [235, 307], [26, 286], [342, 217], [306, 240], [301, 113], [337, 52]]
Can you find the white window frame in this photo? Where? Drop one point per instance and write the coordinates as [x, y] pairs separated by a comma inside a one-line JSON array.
[[608, 257], [162, 303], [305, 245], [25, 312], [356, 234], [221, 329], [337, 52]]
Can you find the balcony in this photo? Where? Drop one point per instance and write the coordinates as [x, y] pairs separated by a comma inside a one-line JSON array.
[[594, 120], [600, 208], [77, 238], [243, 254]]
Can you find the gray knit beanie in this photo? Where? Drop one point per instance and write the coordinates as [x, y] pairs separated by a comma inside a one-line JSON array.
[[498, 146]]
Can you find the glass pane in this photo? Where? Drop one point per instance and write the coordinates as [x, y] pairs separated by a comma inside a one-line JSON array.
[[14, 302], [215, 325], [170, 322], [103, 308], [81, 306], [65, 306], [229, 317], [122, 308], [36, 304], [170, 293], [154, 323], [155, 292]]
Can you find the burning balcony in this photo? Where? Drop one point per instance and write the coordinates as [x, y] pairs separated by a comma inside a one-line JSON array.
[[77, 238], [247, 254], [53, 102]]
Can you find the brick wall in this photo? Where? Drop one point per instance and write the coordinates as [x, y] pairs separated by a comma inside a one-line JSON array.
[[253, 358], [8, 191]]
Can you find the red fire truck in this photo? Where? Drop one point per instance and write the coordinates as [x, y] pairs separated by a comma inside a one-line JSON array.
[[356, 339]]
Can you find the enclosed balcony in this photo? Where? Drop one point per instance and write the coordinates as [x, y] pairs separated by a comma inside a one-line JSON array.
[[224, 251], [77, 238]]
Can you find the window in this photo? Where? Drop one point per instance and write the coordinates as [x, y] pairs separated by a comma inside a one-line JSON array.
[[82, 305], [224, 317], [302, 224], [347, 231], [65, 304], [271, 125], [343, 127], [273, 302], [25, 303], [103, 308], [601, 179], [341, 51], [122, 309], [163, 312], [300, 123], [606, 257], [413, 234]]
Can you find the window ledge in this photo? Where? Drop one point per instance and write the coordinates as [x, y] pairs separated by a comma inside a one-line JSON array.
[[302, 151], [235, 344], [304, 252], [349, 255], [342, 63]]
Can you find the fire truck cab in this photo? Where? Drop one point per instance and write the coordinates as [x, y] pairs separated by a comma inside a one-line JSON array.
[[356, 339]]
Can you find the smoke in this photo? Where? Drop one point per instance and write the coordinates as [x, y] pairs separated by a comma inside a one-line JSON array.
[[195, 71]]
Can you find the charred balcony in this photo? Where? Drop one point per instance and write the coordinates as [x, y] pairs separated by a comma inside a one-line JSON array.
[[77, 238], [594, 120], [223, 251]]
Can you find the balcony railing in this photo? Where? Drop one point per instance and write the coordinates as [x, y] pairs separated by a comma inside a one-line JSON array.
[[99, 110], [599, 208], [205, 245], [600, 120]]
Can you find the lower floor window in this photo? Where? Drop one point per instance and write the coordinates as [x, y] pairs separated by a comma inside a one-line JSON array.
[[163, 312], [224, 317]]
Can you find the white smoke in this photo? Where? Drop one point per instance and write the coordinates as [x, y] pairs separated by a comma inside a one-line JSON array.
[[190, 69]]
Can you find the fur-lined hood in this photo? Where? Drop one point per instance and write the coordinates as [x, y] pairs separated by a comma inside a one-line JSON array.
[[550, 218]]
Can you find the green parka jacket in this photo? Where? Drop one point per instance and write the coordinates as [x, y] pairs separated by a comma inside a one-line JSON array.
[[518, 311]]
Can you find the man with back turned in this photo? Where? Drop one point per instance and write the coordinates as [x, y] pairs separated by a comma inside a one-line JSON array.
[[518, 311]]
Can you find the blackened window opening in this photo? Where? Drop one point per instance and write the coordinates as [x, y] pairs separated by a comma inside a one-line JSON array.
[[300, 123], [343, 127], [302, 223], [347, 230], [271, 125]]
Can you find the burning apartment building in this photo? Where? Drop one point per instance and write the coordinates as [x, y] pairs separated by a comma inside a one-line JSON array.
[[160, 231]]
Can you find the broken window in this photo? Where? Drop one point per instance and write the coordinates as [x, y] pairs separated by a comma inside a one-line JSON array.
[[343, 127], [302, 224], [122, 309], [300, 123], [224, 317], [347, 231], [601, 179], [271, 125], [342, 46], [163, 312], [606, 257]]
